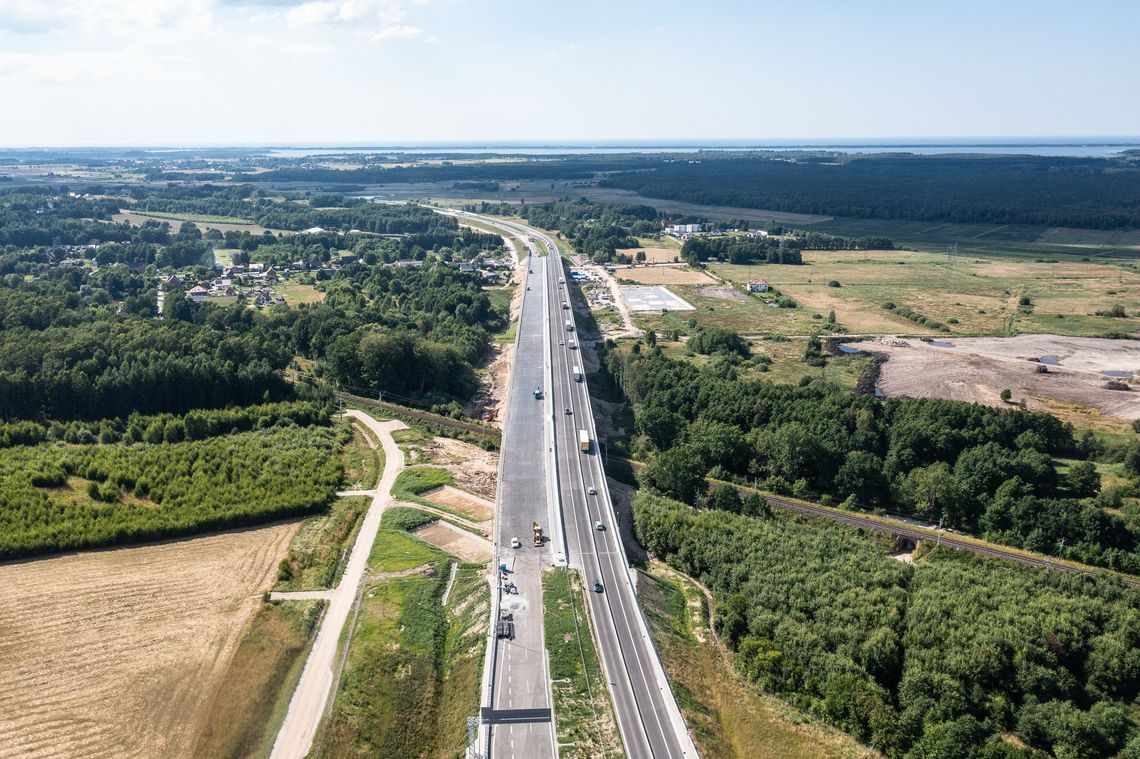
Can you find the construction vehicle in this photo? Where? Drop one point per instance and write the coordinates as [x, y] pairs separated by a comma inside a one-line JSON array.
[[537, 534], [583, 441]]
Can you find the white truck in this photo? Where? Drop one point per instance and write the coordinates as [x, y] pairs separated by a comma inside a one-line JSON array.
[[577, 374], [583, 441], [569, 326]]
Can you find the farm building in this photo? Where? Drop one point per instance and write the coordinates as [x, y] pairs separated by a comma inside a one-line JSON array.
[[757, 285], [197, 293]]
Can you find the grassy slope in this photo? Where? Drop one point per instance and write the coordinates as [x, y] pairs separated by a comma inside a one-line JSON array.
[[251, 701]]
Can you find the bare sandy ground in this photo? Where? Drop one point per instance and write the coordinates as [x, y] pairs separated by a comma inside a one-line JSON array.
[[473, 468], [479, 509], [665, 275], [976, 370], [115, 653], [454, 540], [654, 255]]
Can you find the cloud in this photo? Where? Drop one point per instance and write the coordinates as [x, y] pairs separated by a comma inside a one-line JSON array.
[[22, 17], [397, 31]]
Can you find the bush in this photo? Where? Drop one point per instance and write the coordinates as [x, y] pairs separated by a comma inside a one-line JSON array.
[[834, 283]]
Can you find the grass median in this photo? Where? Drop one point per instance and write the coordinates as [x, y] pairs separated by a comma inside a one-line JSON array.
[[583, 712]]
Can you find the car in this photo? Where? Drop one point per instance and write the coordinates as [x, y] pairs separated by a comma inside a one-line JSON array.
[[591, 490], [516, 543], [599, 526], [569, 412], [561, 342], [561, 281], [528, 287], [597, 586]]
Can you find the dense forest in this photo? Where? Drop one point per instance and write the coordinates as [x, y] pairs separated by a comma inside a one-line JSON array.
[[1071, 192], [979, 469], [953, 657], [167, 476]]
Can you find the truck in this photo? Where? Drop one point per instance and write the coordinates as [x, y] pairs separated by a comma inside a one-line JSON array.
[[569, 326], [537, 528], [583, 441], [577, 374]]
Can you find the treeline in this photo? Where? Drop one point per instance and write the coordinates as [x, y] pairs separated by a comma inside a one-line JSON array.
[[783, 250], [595, 230], [949, 657], [980, 469], [68, 497], [166, 428], [1048, 190]]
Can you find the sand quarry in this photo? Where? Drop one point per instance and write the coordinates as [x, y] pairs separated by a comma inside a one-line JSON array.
[[117, 653], [977, 369]]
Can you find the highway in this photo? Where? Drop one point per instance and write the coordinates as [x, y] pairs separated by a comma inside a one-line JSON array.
[[519, 670], [648, 718], [647, 714]]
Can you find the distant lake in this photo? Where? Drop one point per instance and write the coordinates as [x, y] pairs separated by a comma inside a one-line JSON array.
[[1089, 149]]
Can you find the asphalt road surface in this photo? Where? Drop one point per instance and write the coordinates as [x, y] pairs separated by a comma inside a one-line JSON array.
[[648, 718]]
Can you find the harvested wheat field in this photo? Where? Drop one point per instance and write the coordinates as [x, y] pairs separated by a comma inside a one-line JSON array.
[[116, 653], [456, 541], [665, 275], [478, 509]]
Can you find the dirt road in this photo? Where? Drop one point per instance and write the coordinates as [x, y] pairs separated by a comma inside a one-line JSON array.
[[316, 685]]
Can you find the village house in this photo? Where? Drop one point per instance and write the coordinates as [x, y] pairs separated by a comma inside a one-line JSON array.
[[757, 285]]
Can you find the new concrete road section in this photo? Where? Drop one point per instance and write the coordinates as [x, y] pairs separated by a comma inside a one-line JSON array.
[[648, 717], [520, 675]]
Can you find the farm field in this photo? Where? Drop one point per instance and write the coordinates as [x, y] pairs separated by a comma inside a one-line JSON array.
[[981, 294], [119, 652], [204, 222], [654, 254], [663, 275]]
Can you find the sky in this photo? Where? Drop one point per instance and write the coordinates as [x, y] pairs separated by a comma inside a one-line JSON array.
[[400, 72]]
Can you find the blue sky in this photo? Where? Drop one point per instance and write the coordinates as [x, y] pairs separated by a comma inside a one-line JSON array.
[[118, 72]]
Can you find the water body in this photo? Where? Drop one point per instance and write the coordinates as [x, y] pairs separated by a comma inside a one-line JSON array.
[[941, 344], [1050, 360], [1070, 148], [847, 349], [1116, 373]]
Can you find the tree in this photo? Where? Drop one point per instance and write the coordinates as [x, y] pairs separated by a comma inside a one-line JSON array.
[[1083, 480], [650, 338], [862, 476], [932, 490], [724, 498], [677, 473], [1006, 394]]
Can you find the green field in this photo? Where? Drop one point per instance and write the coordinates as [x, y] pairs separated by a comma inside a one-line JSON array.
[[981, 294]]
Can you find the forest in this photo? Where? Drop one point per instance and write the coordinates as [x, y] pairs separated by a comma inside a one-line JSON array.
[[1100, 193], [983, 470], [166, 476], [595, 230], [953, 656]]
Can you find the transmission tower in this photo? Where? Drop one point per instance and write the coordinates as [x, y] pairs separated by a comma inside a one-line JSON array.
[[951, 254]]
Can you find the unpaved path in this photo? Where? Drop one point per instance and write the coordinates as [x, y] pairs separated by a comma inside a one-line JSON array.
[[307, 706]]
